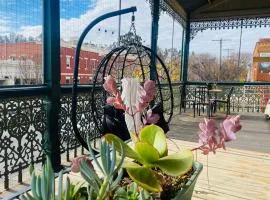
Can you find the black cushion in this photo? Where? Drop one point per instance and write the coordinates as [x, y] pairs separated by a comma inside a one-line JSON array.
[[114, 122]]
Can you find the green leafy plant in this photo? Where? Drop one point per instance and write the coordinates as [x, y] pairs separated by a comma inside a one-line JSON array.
[[43, 186], [131, 192], [151, 152], [109, 166]]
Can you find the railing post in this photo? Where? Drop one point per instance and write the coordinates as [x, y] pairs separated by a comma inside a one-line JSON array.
[[51, 52], [184, 71], [154, 37]]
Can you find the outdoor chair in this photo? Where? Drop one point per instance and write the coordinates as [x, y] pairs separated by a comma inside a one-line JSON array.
[[202, 101], [225, 101], [120, 63], [129, 59], [186, 101]]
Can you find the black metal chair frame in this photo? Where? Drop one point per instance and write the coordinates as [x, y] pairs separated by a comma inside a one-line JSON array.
[[107, 63], [227, 101]]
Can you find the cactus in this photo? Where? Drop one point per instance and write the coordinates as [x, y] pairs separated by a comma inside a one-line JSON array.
[[110, 168], [43, 186]]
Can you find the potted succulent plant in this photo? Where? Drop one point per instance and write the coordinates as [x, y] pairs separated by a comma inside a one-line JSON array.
[[149, 164], [152, 171]]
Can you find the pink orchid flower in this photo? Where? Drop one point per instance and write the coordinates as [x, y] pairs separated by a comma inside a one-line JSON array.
[[133, 100], [150, 117], [208, 130], [211, 138], [208, 135], [150, 90], [75, 167], [230, 126], [110, 85]]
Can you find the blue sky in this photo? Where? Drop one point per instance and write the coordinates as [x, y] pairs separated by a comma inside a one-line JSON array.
[[81, 7], [29, 12], [24, 17]]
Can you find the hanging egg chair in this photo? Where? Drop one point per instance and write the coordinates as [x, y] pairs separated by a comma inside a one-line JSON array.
[[131, 59]]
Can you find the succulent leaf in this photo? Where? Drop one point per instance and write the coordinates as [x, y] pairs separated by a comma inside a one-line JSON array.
[[38, 186], [144, 176], [67, 189], [176, 164], [118, 142], [113, 159], [33, 184], [60, 184], [92, 154], [104, 157], [90, 176], [147, 152], [155, 136]]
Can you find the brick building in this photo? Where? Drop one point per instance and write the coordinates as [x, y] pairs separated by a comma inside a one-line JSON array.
[[261, 61], [88, 62], [14, 54]]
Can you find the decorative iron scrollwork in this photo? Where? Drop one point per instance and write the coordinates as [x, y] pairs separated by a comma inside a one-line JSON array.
[[22, 126], [249, 22]]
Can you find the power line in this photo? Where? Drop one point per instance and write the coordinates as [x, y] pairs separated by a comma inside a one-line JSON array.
[[228, 52]]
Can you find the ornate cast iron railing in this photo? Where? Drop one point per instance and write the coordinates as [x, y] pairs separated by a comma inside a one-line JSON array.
[[22, 126], [243, 99]]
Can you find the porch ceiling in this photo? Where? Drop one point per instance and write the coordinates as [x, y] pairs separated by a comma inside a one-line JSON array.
[[205, 10]]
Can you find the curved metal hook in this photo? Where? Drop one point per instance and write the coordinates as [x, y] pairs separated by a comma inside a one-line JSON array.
[[76, 66]]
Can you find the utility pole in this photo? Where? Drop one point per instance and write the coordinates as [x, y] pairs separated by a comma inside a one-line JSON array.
[[228, 52], [220, 53], [119, 23], [119, 42]]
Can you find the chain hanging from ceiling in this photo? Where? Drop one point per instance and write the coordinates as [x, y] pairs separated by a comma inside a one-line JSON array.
[[248, 22]]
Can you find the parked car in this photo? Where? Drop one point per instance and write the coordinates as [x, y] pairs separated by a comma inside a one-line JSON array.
[[267, 110]]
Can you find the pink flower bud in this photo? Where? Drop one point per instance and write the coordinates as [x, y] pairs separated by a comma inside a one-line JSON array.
[[75, 167]]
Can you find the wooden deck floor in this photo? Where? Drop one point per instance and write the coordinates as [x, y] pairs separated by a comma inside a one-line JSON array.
[[241, 172], [232, 174]]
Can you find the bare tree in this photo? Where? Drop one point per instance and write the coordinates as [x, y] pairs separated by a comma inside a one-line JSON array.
[[30, 71], [205, 67]]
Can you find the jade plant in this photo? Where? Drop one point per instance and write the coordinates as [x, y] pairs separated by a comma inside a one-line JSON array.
[[150, 152], [43, 186]]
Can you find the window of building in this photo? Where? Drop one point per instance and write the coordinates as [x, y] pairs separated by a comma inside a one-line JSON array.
[[86, 59], [68, 80], [68, 61]]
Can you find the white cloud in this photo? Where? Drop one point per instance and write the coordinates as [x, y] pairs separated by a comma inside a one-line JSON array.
[[73, 27], [4, 28], [33, 31]]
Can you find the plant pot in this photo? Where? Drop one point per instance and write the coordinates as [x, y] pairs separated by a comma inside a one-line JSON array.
[[187, 190]]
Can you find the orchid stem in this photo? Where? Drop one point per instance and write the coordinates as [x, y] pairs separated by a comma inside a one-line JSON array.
[[135, 129], [197, 148], [207, 170]]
